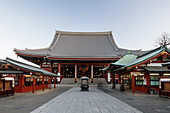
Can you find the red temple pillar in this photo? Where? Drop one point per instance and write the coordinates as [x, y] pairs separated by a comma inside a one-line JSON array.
[[22, 83], [104, 75], [54, 81], [33, 86], [148, 80], [59, 71], [111, 76], [43, 84], [113, 80], [49, 81], [133, 84], [91, 73], [119, 81], [75, 78], [63, 71]]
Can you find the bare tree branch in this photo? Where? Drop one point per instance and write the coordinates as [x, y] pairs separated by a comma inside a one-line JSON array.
[[164, 39]]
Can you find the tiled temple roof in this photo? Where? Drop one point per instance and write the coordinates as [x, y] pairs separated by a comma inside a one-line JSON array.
[[80, 45], [150, 55], [26, 67]]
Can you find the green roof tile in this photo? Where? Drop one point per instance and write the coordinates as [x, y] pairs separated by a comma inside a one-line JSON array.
[[130, 60]]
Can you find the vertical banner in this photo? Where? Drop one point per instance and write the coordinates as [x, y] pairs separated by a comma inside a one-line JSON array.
[[144, 82], [58, 78], [108, 77]]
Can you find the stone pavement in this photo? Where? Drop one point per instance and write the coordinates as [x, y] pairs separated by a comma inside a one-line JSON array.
[[146, 103], [94, 101], [27, 102]]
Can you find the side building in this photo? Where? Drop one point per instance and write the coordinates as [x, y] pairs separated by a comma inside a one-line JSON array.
[[18, 77], [142, 73], [77, 54]]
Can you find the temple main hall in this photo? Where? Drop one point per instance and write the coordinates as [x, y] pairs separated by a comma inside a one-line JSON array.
[[77, 54]]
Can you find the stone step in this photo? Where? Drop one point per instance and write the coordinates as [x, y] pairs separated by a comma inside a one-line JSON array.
[[96, 81]]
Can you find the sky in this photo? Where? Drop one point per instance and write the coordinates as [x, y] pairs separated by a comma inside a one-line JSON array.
[[135, 24]]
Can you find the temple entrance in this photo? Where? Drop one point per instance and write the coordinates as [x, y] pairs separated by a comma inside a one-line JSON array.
[[83, 70], [69, 71], [97, 71]]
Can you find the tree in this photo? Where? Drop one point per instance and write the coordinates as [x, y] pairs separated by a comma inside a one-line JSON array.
[[163, 40]]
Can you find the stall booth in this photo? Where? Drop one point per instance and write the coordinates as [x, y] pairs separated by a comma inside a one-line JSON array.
[[164, 82], [164, 86], [6, 80], [7, 85]]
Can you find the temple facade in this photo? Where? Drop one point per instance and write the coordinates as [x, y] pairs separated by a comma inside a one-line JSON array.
[[77, 54]]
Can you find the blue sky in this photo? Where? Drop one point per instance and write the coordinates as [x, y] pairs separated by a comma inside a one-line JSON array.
[[32, 23]]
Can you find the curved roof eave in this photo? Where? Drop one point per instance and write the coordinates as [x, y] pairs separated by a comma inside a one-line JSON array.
[[28, 67], [144, 60]]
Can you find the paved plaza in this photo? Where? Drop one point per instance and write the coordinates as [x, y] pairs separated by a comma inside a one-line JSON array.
[[146, 103], [27, 102], [94, 101]]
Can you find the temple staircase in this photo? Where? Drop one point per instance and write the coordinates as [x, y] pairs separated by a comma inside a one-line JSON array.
[[101, 82], [67, 81], [97, 82]]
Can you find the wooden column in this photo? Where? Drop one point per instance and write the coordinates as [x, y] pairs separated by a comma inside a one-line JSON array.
[[49, 81], [148, 80], [91, 73], [33, 85], [75, 74], [19, 83], [54, 81], [63, 71], [104, 75], [119, 80], [43, 84], [59, 71], [133, 84], [113, 80], [22, 84]]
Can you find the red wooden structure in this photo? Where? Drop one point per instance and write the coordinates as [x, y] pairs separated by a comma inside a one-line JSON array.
[[141, 73], [26, 77]]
